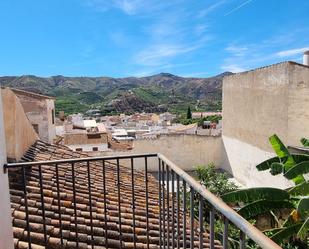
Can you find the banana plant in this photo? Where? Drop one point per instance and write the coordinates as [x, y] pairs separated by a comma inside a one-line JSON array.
[[253, 202]]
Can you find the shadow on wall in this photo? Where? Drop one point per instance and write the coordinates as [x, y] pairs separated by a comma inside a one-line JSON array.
[[19, 133]]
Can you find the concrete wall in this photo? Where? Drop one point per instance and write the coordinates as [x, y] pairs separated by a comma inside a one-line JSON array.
[[19, 133], [257, 104], [187, 151], [6, 231]]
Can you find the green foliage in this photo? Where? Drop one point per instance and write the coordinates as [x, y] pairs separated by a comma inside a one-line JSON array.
[[298, 169], [256, 208], [189, 113], [253, 194], [305, 142], [255, 201], [214, 181]]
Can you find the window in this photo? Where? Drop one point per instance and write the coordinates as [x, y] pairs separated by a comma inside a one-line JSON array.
[[95, 149], [36, 128], [79, 149], [53, 116]]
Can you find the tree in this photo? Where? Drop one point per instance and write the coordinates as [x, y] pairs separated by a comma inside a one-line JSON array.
[[253, 202], [189, 113]]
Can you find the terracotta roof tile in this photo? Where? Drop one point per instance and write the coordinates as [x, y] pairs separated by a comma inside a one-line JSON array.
[[41, 151]]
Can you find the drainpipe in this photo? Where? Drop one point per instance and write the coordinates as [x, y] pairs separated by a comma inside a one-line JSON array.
[[6, 229]]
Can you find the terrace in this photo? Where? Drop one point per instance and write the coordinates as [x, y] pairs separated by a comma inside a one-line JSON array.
[[64, 199]]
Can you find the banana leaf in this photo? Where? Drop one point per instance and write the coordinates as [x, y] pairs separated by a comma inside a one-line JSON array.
[[278, 146], [263, 206], [303, 232], [305, 142], [298, 158], [254, 194], [297, 170], [300, 189], [287, 233], [267, 164], [303, 207], [276, 168]]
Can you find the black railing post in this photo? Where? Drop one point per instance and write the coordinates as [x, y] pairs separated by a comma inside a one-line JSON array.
[[160, 206], [105, 206], [42, 204], [242, 240], [58, 202], [184, 225], [74, 199], [212, 227], [119, 202], [147, 214], [168, 204], [26, 207], [133, 202], [225, 232], [191, 218], [163, 199], [201, 228], [178, 213], [173, 210], [90, 203]]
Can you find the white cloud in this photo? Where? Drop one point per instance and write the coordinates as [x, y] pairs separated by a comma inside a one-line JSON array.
[[238, 7], [237, 50], [292, 52], [210, 8], [234, 68], [157, 54]]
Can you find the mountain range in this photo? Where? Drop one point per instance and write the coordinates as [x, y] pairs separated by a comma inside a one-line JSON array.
[[157, 93]]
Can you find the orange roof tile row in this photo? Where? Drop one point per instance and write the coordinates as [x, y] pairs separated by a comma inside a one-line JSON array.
[[91, 232]]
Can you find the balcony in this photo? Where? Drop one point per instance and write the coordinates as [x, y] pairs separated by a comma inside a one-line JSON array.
[[63, 199]]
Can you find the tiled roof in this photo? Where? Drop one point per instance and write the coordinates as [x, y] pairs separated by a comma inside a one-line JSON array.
[[41, 151]]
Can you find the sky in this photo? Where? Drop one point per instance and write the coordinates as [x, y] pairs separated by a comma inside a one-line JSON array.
[[120, 38]]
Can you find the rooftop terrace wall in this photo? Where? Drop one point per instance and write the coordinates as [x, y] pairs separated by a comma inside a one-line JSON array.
[[257, 104]]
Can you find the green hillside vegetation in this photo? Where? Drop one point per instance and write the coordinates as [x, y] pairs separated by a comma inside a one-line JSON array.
[[157, 93]]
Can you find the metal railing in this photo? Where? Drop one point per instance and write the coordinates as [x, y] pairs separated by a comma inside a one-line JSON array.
[[183, 216]]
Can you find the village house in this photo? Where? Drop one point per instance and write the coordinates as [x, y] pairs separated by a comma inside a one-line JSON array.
[[40, 110]]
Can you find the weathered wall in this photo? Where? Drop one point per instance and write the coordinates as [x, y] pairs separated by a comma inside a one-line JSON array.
[[39, 110], [186, 151], [6, 231], [257, 104], [298, 109], [19, 133]]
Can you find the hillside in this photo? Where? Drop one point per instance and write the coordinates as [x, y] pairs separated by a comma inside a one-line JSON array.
[[155, 93]]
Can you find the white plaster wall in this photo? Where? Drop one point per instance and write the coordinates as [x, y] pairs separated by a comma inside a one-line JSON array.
[[88, 147], [6, 231], [187, 151], [243, 158]]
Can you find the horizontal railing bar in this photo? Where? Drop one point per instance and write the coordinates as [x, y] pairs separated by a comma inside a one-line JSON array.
[[246, 227], [77, 160]]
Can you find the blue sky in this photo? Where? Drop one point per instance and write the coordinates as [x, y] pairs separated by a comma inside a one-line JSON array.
[[196, 38]]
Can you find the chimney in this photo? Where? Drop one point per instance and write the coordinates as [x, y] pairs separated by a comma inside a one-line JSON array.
[[306, 58]]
